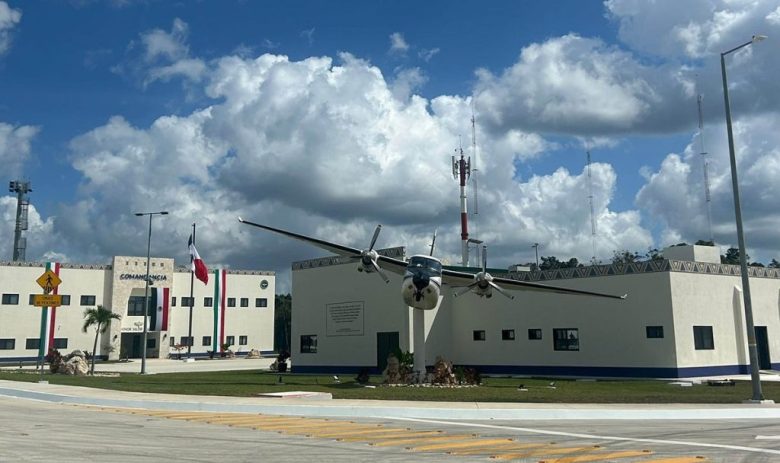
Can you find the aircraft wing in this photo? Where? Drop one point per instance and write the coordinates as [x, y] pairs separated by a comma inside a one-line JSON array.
[[388, 263], [455, 278]]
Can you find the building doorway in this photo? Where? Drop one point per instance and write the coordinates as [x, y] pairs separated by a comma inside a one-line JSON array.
[[762, 345], [131, 346], [386, 343]]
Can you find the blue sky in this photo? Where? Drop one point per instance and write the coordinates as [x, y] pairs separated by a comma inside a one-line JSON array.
[[329, 117]]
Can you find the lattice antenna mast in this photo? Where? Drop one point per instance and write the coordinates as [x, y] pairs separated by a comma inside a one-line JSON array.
[[21, 188], [461, 170], [705, 165], [592, 213], [474, 169]]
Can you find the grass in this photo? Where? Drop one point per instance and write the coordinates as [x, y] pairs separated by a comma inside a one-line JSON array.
[[493, 389]]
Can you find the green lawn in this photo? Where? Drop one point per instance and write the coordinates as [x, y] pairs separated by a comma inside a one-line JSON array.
[[250, 383]]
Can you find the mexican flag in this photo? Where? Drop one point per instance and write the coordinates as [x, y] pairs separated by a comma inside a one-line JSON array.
[[220, 279], [158, 309], [196, 263]]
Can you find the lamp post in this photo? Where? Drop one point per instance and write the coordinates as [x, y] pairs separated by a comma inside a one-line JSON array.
[[146, 284], [536, 251], [755, 378]]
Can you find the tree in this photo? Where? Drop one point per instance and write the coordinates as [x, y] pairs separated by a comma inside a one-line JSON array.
[[100, 317], [705, 243], [625, 257], [774, 264], [550, 263], [654, 254], [732, 257]]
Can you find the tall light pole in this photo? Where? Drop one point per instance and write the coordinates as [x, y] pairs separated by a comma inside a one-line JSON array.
[[146, 285], [536, 250], [755, 378]]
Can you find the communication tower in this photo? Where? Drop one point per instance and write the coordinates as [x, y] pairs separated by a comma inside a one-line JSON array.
[[461, 170], [21, 188], [705, 165], [592, 213]]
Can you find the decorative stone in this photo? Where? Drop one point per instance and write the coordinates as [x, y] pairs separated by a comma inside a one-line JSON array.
[[253, 354]]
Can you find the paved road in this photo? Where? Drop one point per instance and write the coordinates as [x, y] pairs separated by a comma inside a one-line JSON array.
[[40, 421]]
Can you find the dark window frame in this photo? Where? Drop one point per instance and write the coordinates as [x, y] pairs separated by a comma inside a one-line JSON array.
[[261, 302], [60, 343], [703, 337], [535, 334], [206, 341], [10, 299], [243, 340], [244, 302], [654, 331], [135, 306], [208, 301], [85, 299], [308, 344], [566, 343], [479, 335], [32, 343], [7, 344], [231, 302], [508, 335]]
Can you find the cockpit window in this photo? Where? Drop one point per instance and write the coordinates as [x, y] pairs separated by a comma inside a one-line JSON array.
[[421, 262]]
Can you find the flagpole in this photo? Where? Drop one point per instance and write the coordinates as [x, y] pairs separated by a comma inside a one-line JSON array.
[[191, 341]]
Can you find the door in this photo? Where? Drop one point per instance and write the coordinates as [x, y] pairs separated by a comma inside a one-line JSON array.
[[762, 345], [386, 343], [135, 350]]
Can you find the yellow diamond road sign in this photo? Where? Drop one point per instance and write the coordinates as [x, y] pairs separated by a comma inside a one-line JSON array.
[[48, 281]]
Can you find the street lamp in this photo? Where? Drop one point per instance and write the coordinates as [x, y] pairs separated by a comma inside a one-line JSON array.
[[146, 285], [755, 378], [536, 249]]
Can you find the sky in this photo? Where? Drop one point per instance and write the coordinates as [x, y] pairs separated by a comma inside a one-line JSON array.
[[328, 118]]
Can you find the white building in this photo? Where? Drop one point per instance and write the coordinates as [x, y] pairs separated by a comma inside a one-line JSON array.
[[683, 317], [240, 301]]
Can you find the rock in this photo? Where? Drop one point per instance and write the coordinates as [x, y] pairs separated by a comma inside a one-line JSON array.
[[253, 354], [77, 353]]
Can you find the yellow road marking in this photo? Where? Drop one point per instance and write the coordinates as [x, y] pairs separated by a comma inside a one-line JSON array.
[[696, 459], [423, 440], [372, 433], [492, 449], [461, 445], [291, 428], [385, 434], [547, 451], [598, 456]]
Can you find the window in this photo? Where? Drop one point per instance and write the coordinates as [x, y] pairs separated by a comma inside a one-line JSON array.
[[10, 299], [173, 341], [206, 340], [654, 331], [244, 302], [186, 301], [309, 344], [32, 344], [186, 340], [479, 335], [261, 302], [60, 343], [508, 335], [534, 334], [231, 302], [66, 299], [243, 340], [173, 301], [135, 306], [31, 301], [230, 340], [7, 344], [88, 300], [566, 339], [151, 343], [208, 302], [702, 338]]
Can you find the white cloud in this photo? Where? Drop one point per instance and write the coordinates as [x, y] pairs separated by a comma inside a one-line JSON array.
[[406, 82], [15, 147], [674, 195], [329, 150], [170, 46], [9, 18], [427, 54], [398, 43], [697, 28]]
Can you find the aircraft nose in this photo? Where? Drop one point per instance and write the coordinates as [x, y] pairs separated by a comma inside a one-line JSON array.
[[420, 281]]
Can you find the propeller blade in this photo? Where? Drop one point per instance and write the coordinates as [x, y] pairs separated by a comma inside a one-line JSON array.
[[484, 258], [465, 290], [501, 290], [433, 242], [380, 271], [376, 235]]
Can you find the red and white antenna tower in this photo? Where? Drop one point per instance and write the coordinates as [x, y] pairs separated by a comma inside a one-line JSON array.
[[461, 170]]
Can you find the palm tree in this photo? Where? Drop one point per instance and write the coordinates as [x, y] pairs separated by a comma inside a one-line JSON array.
[[100, 317]]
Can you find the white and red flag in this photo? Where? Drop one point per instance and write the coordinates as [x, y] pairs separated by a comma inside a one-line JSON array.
[[197, 265]]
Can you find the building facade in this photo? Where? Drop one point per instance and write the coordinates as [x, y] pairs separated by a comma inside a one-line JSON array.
[[683, 317], [236, 307]]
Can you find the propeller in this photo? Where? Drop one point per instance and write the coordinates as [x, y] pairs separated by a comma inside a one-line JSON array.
[[433, 242], [369, 257], [483, 282]]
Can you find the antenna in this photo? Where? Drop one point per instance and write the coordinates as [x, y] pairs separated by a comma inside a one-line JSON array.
[[705, 164], [21, 188], [461, 170], [474, 169], [592, 214]]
